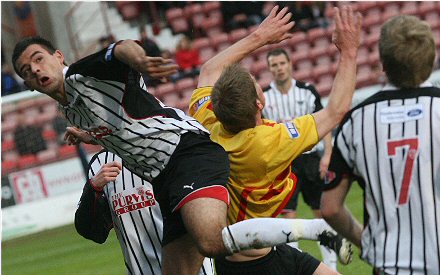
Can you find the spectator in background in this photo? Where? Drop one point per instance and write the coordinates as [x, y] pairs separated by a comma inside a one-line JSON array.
[[241, 14], [148, 44], [187, 58], [10, 84], [307, 15], [59, 124], [28, 138]]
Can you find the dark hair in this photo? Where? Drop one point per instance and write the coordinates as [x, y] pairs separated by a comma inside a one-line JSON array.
[[234, 99], [276, 52], [21, 46]]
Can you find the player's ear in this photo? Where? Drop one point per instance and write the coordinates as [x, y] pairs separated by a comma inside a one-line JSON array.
[[260, 105], [60, 56]]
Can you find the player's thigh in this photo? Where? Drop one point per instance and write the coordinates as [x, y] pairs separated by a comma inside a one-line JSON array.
[[204, 219], [312, 184]]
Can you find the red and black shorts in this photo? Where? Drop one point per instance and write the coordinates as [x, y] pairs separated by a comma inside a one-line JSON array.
[[198, 168]]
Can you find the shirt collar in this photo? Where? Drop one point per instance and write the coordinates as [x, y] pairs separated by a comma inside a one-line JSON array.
[[390, 86]]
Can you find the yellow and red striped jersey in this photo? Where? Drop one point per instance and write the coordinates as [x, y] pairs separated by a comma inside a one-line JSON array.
[[260, 181]]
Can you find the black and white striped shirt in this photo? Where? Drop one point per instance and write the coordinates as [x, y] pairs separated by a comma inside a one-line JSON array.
[[390, 143], [110, 101], [137, 218], [301, 99]]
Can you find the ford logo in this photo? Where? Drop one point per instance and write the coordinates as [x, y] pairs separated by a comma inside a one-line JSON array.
[[414, 112]]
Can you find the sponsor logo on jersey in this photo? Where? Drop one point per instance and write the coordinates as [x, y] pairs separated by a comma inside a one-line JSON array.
[[291, 129], [200, 102], [399, 114], [132, 199]]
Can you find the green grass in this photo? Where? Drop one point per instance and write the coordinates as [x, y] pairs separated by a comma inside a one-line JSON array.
[[63, 251], [354, 203]]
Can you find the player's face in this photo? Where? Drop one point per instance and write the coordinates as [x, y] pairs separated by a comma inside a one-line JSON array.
[[280, 67], [41, 70]]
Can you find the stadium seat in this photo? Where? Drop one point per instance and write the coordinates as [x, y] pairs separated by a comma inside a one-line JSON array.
[[165, 88], [317, 52], [362, 56], [25, 104], [179, 25], [185, 83], [297, 37], [300, 58], [210, 6], [173, 13], [191, 9], [364, 6], [324, 84], [391, 9], [363, 76], [409, 8], [319, 71], [26, 161], [304, 75], [46, 156], [66, 151], [264, 81], [8, 145], [129, 10], [247, 62], [91, 148], [258, 67], [433, 19], [425, 7], [237, 34], [219, 39], [314, 34], [8, 166], [200, 43], [49, 134], [10, 155], [212, 23], [8, 125], [205, 54], [372, 20], [197, 20], [171, 99]]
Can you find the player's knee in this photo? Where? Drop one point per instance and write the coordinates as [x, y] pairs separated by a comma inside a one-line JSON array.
[[211, 249]]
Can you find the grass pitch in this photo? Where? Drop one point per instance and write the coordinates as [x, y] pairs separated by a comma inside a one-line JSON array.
[[63, 251]]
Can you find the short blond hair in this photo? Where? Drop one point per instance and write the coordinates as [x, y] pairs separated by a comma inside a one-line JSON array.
[[407, 51]]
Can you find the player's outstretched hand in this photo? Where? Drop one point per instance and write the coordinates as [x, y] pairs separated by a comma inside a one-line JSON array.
[[275, 28], [75, 136], [156, 67], [346, 36], [106, 174]]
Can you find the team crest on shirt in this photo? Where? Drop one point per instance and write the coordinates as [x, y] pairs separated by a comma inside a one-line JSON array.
[[132, 199], [291, 129], [329, 177]]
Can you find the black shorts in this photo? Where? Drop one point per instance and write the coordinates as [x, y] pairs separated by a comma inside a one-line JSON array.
[[197, 168], [310, 184], [281, 260]]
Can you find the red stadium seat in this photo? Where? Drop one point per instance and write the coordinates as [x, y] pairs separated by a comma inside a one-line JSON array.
[[8, 145], [258, 67], [46, 156], [300, 57], [317, 52], [165, 88], [171, 99], [372, 20], [247, 62], [174, 13], [362, 57], [425, 7], [49, 134], [192, 9], [319, 71], [129, 9], [433, 19], [179, 25], [237, 34], [205, 54], [264, 82], [185, 83], [26, 161], [303, 75], [212, 22], [217, 40], [210, 6], [197, 20], [8, 125], [363, 76], [315, 33], [296, 38], [8, 166], [200, 43], [67, 151], [364, 6], [410, 8]]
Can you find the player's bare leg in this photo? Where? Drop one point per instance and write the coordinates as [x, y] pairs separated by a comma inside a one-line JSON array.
[[181, 257], [204, 219]]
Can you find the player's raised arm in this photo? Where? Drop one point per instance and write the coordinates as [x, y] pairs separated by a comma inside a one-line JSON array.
[[346, 37], [132, 54], [275, 28]]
